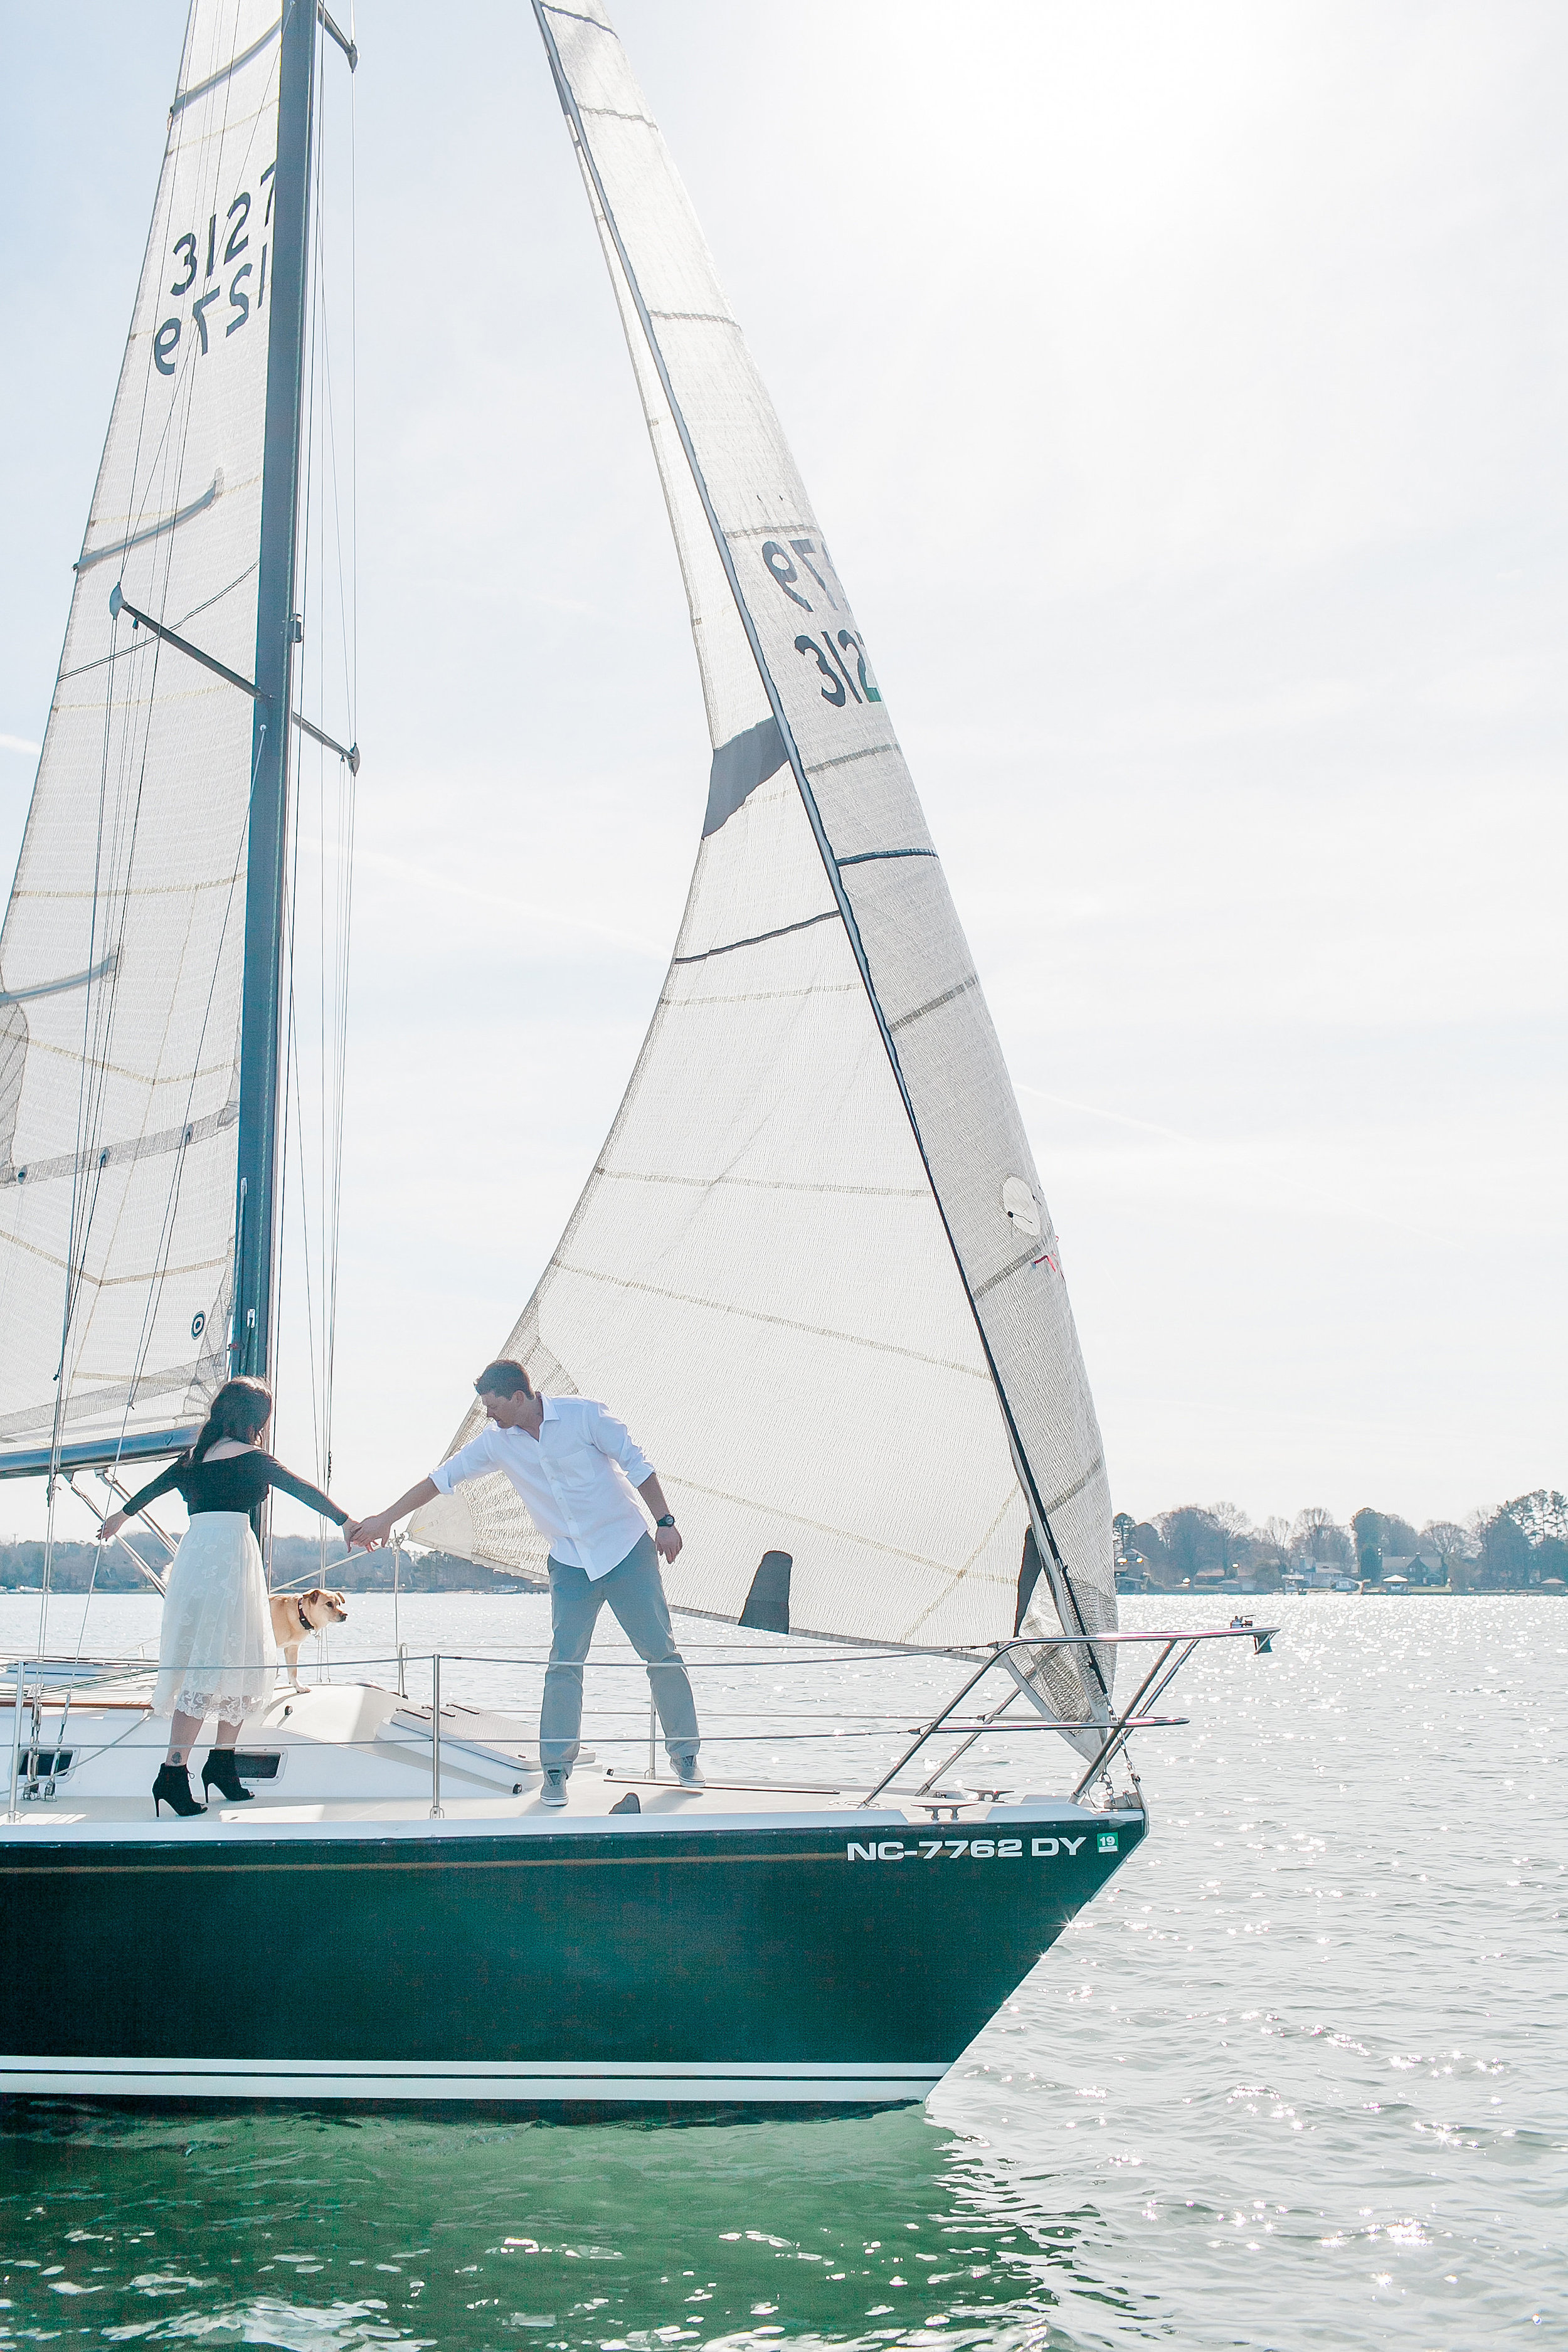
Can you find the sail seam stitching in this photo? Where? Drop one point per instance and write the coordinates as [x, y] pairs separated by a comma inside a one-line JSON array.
[[766, 1184], [123, 1069], [958, 1575], [780, 1322], [129, 890], [762, 996], [162, 1383], [821, 1527], [103, 1281]]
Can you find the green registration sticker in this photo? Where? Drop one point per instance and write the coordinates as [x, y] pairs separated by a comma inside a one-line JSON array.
[[1108, 1842]]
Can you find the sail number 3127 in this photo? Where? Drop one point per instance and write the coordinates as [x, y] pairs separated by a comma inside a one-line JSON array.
[[226, 240], [839, 653]]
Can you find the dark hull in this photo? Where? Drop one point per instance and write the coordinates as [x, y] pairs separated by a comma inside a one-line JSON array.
[[751, 1962]]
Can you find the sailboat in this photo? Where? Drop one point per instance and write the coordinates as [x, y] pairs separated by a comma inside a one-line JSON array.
[[812, 1267]]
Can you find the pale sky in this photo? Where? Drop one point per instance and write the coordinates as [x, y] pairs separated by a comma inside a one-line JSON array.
[[1212, 358]]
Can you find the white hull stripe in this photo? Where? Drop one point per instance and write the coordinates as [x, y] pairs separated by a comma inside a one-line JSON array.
[[610, 2081]]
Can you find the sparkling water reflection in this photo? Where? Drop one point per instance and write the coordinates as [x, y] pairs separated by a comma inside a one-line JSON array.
[[311, 2231], [1299, 2078]]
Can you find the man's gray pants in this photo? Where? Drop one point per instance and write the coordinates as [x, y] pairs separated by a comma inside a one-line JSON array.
[[635, 1594]]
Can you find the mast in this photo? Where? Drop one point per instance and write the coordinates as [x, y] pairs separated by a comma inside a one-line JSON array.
[[261, 1019]]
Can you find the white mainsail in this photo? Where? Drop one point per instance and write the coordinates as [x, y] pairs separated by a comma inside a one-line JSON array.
[[814, 1268], [121, 958]]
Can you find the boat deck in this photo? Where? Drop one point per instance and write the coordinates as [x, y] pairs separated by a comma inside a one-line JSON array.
[[354, 1754]]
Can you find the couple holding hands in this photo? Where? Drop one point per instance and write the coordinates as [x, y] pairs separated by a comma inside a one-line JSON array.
[[573, 1464]]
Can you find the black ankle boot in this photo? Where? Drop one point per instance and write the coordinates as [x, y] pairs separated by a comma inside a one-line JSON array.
[[221, 1772], [173, 1787]]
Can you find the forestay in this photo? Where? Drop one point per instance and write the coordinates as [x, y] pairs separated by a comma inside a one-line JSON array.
[[814, 1268], [120, 955]]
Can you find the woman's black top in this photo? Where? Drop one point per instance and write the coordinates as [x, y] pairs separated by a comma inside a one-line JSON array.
[[236, 1482]]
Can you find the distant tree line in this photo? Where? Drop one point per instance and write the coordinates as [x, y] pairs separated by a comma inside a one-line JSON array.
[[1516, 1547], [297, 1561]]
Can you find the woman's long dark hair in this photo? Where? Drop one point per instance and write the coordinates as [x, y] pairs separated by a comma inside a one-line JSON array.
[[241, 1409]]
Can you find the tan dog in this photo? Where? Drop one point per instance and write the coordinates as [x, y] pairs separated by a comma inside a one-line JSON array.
[[295, 1614]]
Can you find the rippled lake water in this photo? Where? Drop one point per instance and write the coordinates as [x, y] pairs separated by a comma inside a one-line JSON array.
[[1298, 2078]]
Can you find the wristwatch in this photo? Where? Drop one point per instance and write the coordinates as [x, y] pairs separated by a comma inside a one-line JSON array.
[[667, 1520]]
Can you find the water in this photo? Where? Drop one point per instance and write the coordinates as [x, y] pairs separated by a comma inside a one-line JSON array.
[[1299, 2078]]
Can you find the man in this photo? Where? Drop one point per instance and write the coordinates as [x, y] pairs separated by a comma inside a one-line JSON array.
[[574, 1467]]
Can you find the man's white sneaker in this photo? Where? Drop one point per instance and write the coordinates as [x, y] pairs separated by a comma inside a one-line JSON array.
[[552, 1789], [688, 1772]]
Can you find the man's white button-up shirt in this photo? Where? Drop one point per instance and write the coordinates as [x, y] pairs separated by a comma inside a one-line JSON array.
[[575, 1479]]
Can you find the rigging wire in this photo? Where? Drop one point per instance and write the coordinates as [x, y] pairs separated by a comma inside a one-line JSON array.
[[322, 1041], [334, 1048]]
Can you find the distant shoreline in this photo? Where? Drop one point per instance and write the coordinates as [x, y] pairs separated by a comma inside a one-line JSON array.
[[297, 1563]]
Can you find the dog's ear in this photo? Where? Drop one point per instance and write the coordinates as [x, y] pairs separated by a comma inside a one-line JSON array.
[[314, 1594]]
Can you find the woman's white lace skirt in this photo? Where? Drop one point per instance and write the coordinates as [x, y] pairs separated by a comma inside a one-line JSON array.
[[214, 1651]]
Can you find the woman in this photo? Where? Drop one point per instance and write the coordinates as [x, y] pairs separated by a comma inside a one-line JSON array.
[[213, 1651]]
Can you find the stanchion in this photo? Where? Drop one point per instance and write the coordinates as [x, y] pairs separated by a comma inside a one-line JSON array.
[[16, 1740], [436, 1813], [396, 1586]]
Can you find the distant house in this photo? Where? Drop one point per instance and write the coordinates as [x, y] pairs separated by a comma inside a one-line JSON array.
[[1322, 1575], [1416, 1568]]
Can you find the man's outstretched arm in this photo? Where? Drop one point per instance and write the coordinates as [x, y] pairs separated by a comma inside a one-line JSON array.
[[470, 1460], [368, 1533]]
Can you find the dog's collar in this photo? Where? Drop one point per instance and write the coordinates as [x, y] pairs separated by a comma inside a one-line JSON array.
[[300, 1613]]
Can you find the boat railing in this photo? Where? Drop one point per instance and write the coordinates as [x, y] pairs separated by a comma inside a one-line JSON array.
[[1110, 1730], [41, 1684]]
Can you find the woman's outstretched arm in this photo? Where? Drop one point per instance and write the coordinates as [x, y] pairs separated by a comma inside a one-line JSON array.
[[303, 1492], [164, 1483]]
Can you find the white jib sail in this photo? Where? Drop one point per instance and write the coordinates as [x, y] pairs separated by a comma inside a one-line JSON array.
[[120, 955], [813, 1269]]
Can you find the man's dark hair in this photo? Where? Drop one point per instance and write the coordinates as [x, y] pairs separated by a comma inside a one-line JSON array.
[[504, 1377]]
